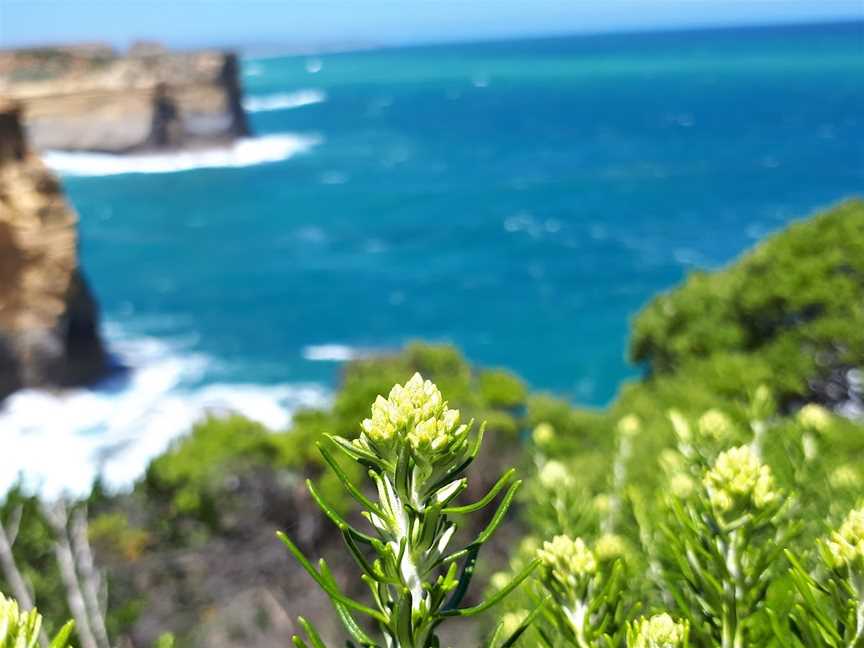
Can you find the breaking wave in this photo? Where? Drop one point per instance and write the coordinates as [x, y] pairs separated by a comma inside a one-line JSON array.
[[60, 442], [284, 100], [334, 353], [242, 153]]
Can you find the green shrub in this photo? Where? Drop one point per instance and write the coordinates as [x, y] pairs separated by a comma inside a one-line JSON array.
[[501, 389], [792, 305], [192, 475]]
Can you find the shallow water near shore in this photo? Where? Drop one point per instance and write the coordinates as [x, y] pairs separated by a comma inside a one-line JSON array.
[[519, 199]]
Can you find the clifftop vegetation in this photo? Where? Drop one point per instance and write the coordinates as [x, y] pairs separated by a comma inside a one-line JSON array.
[[717, 501]]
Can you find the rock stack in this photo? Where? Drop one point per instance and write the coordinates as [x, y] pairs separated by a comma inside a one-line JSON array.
[[49, 333], [93, 99]]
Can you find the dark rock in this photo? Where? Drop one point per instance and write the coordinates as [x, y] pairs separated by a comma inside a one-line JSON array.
[[49, 334]]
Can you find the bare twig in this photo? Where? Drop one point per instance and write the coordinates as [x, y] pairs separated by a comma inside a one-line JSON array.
[[11, 572], [89, 576], [57, 518]]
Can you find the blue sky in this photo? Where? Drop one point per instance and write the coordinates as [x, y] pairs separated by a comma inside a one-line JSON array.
[[332, 22]]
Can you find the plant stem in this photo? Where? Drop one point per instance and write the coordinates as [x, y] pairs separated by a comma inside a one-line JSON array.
[[734, 587]]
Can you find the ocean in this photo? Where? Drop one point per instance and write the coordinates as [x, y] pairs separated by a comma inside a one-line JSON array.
[[520, 199]]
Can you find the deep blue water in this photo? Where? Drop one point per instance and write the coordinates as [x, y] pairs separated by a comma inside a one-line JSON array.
[[520, 199]]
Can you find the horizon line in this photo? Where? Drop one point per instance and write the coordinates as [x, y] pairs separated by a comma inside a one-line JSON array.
[[347, 46]]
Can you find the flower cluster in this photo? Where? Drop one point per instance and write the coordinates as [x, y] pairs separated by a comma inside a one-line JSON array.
[[610, 547], [17, 628], [845, 477], [20, 629], [629, 425], [414, 414], [602, 503], [715, 425], [738, 480], [659, 631], [543, 434], [846, 546], [565, 559], [555, 476], [814, 417]]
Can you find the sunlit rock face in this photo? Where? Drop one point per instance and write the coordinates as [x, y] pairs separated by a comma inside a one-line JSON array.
[[48, 318], [92, 99]]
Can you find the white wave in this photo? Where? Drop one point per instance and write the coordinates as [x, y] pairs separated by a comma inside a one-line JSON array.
[[244, 152], [59, 442], [333, 353], [284, 100]]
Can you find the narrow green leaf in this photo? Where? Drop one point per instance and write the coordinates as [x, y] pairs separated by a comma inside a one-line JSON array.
[[61, 639], [348, 621], [476, 506], [464, 578], [496, 520], [497, 597], [331, 591], [346, 482], [314, 637], [513, 638], [337, 519]]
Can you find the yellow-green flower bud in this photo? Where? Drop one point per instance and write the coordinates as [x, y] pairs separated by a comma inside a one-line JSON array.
[[739, 480], [609, 547], [845, 477], [499, 580], [682, 485], [602, 503], [566, 559], [554, 476], [543, 434], [846, 546], [660, 631], [814, 417], [629, 426], [715, 425]]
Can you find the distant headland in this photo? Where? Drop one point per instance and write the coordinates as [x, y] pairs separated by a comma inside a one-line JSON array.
[[89, 97]]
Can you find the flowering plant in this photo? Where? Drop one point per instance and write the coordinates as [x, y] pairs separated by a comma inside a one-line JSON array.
[[20, 629], [416, 451], [830, 611], [583, 605], [722, 546], [658, 631]]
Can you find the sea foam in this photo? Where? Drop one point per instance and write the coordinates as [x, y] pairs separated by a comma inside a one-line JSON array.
[[244, 152], [333, 353], [59, 442], [284, 100]]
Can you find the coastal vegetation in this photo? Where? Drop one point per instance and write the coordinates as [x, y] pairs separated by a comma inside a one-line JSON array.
[[717, 502]]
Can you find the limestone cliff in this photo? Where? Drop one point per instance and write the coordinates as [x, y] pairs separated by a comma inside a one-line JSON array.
[[48, 318], [91, 99]]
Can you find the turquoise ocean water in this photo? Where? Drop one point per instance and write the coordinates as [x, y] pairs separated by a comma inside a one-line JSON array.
[[520, 199]]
